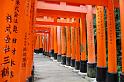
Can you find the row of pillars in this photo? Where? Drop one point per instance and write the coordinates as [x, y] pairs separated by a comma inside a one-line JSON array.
[[75, 47]]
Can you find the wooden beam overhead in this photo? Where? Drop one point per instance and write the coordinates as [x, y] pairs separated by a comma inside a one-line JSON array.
[[42, 28], [56, 23], [85, 2], [55, 13]]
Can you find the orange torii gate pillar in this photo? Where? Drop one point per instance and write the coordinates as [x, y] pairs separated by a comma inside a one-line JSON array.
[[68, 40], [122, 37], [83, 62], [101, 45], [73, 46], [41, 43], [52, 42], [63, 43], [59, 43], [112, 75], [55, 43], [91, 65], [77, 44]]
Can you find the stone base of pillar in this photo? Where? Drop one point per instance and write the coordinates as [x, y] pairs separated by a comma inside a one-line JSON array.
[[41, 50], [44, 53], [31, 79], [72, 62], [112, 77], [55, 56], [63, 60], [47, 54], [68, 61], [101, 74], [36, 51], [59, 57], [52, 53], [121, 77], [83, 66], [77, 65], [91, 70]]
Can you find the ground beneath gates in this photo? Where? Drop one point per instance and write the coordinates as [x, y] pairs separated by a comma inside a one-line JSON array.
[[47, 70]]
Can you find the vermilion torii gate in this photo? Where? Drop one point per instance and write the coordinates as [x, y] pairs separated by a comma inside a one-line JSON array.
[[18, 38]]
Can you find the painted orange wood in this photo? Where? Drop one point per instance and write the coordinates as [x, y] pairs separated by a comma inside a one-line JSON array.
[[86, 2], [122, 31], [90, 36], [68, 39], [6, 23], [73, 43], [83, 37], [112, 54], [41, 41], [101, 39], [59, 39], [55, 40], [52, 38], [77, 43], [63, 40]]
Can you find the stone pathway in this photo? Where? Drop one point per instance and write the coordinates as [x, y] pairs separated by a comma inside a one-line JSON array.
[[47, 70]]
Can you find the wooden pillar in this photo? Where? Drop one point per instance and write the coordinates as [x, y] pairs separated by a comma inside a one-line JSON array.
[[122, 37], [68, 39], [101, 44], [45, 44], [41, 43], [52, 41], [6, 18], [112, 75], [24, 20], [47, 52], [91, 65], [55, 43], [49, 44], [59, 43], [63, 43], [77, 44], [83, 62], [73, 47]]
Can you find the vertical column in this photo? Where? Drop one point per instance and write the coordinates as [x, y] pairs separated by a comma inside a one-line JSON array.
[[59, 43], [49, 44], [47, 52], [101, 44], [36, 44], [6, 57], [112, 75], [52, 42], [73, 47], [91, 65], [26, 35], [77, 44], [68, 39], [55, 43], [63, 42], [45, 44], [122, 37], [83, 62], [41, 43]]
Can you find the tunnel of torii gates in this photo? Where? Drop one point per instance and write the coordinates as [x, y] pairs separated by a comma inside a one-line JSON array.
[[62, 29]]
